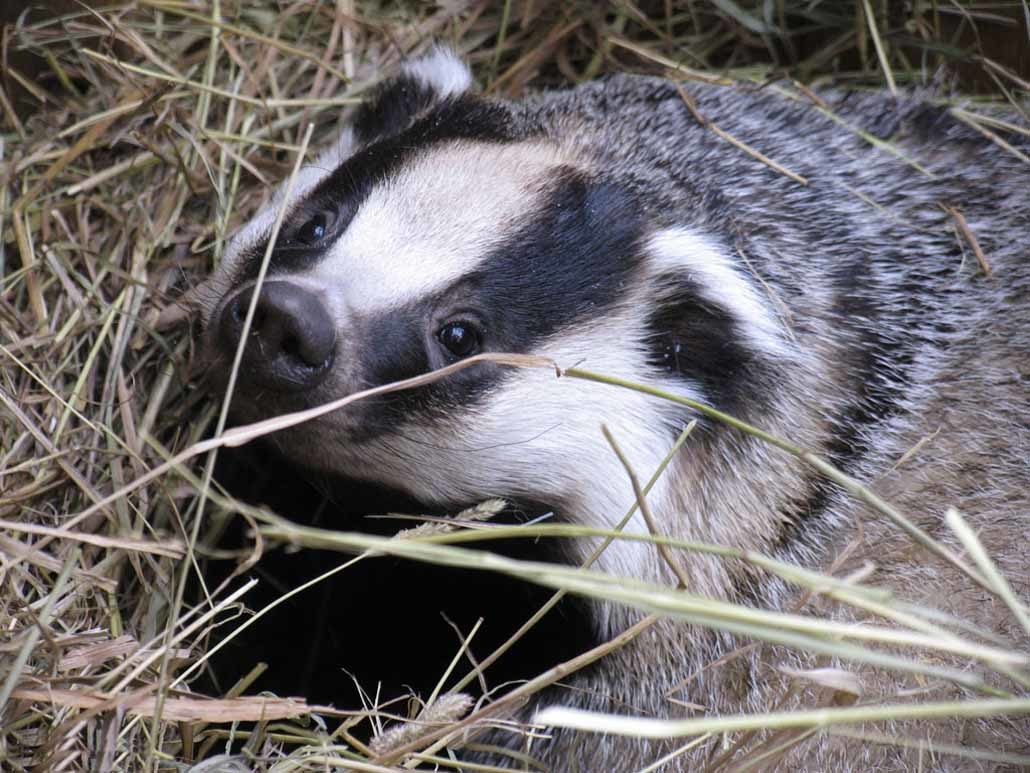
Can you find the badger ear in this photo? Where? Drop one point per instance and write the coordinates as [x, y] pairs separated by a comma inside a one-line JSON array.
[[712, 320], [422, 83], [441, 71]]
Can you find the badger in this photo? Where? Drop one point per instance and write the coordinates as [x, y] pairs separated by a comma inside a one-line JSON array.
[[846, 270]]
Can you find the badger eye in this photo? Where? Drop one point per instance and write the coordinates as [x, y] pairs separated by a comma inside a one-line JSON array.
[[315, 229], [459, 338]]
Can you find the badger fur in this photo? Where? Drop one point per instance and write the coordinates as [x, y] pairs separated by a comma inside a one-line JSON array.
[[607, 225]]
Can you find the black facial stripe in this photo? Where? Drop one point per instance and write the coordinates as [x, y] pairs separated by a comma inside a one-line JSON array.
[[399, 345], [393, 347], [699, 340], [569, 262], [459, 118]]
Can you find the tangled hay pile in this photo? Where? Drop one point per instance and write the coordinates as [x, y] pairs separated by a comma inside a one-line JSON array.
[[134, 138]]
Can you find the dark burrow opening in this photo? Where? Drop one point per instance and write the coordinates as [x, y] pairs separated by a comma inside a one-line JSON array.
[[384, 624]]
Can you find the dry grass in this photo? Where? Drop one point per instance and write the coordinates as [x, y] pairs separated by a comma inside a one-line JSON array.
[[135, 139]]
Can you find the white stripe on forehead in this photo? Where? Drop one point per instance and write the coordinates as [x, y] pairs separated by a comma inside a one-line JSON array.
[[431, 223]]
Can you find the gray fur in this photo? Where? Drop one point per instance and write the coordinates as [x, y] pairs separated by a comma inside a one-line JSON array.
[[885, 333]]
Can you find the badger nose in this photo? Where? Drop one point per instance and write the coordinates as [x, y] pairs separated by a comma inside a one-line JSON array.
[[291, 340]]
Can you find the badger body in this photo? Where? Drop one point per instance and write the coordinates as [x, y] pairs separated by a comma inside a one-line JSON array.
[[837, 300]]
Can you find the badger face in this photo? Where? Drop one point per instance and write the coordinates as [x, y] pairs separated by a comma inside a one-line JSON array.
[[443, 225]]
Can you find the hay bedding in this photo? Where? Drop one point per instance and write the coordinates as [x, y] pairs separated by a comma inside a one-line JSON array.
[[135, 138]]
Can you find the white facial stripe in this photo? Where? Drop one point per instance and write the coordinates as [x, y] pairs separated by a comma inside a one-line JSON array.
[[539, 436], [568, 414], [431, 224], [441, 70], [679, 250]]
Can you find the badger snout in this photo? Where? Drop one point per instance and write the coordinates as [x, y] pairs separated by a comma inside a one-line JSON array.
[[292, 338]]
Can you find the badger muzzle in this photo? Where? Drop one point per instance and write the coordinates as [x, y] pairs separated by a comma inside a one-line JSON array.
[[291, 342]]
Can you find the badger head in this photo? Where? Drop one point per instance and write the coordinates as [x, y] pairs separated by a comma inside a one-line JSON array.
[[443, 224]]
